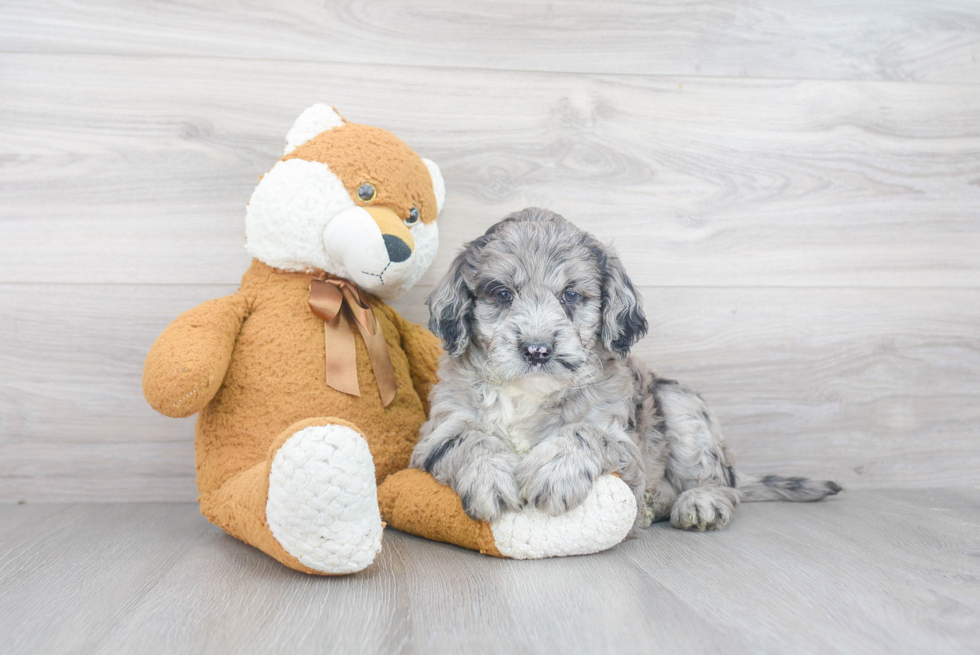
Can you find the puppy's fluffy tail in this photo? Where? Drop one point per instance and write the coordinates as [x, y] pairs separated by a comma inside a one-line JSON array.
[[778, 487]]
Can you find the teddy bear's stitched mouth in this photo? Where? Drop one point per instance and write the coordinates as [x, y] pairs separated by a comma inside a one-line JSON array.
[[380, 275]]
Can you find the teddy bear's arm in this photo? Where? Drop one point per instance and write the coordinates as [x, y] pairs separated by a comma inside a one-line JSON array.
[[424, 350], [188, 361]]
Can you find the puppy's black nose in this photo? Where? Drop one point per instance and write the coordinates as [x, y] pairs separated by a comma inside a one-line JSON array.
[[398, 250], [536, 353]]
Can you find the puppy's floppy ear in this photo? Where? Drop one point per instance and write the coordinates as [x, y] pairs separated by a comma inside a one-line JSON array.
[[623, 320], [450, 307]]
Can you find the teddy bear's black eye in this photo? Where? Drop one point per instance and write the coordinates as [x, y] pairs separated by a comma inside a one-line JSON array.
[[413, 217], [366, 192]]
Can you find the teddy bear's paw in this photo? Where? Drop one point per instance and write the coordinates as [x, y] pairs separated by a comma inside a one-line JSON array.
[[323, 500], [600, 522]]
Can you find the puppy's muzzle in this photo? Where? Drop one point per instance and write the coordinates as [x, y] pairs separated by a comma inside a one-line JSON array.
[[536, 353]]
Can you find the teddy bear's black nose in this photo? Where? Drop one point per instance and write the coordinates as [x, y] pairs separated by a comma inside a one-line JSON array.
[[398, 250]]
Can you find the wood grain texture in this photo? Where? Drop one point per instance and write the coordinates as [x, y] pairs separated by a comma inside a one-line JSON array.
[[871, 387], [861, 39], [871, 571], [137, 169], [794, 186]]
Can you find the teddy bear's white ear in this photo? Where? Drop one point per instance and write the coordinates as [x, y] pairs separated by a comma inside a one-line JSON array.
[[315, 119], [438, 184]]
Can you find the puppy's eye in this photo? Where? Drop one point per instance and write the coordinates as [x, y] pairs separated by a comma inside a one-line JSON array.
[[367, 192], [413, 217], [568, 296], [504, 297]]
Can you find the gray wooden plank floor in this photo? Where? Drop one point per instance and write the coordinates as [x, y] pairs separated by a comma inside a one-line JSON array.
[[888, 571]]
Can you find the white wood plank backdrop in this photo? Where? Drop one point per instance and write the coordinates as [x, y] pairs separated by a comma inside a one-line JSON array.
[[794, 186], [906, 40]]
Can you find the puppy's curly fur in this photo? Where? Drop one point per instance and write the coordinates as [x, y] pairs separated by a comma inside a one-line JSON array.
[[539, 395]]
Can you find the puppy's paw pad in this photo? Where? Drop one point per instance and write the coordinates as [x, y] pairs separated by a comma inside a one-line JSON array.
[[556, 481], [485, 505], [558, 494], [701, 509], [486, 492]]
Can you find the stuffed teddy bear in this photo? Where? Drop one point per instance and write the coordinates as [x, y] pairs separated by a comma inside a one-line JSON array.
[[311, 390]]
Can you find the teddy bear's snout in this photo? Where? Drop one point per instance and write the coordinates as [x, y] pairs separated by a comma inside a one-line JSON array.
[[393, 229]]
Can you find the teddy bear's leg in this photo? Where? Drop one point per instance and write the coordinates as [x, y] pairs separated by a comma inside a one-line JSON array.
[[413, 501], [312, 504]]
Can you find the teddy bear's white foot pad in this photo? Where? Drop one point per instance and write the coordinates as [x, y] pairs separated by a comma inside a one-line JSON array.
[[599, 523], [323, 500]]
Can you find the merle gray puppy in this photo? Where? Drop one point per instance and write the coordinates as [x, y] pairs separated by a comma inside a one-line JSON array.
[[538, 394]]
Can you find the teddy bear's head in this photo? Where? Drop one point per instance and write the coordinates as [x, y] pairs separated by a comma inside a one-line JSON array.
[[348, 199]]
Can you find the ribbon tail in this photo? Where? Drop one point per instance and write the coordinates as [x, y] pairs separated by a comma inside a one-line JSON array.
[[377, 349], [341, 355]]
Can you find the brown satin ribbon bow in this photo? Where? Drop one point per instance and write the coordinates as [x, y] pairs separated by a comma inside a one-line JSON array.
[[336, 301]]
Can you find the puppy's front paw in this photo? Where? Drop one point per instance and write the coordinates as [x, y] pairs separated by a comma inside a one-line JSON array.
[[704, 508], [487, 487], [555, 478]]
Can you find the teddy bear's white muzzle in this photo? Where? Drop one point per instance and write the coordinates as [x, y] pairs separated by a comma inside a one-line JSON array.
[[377, 262]]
